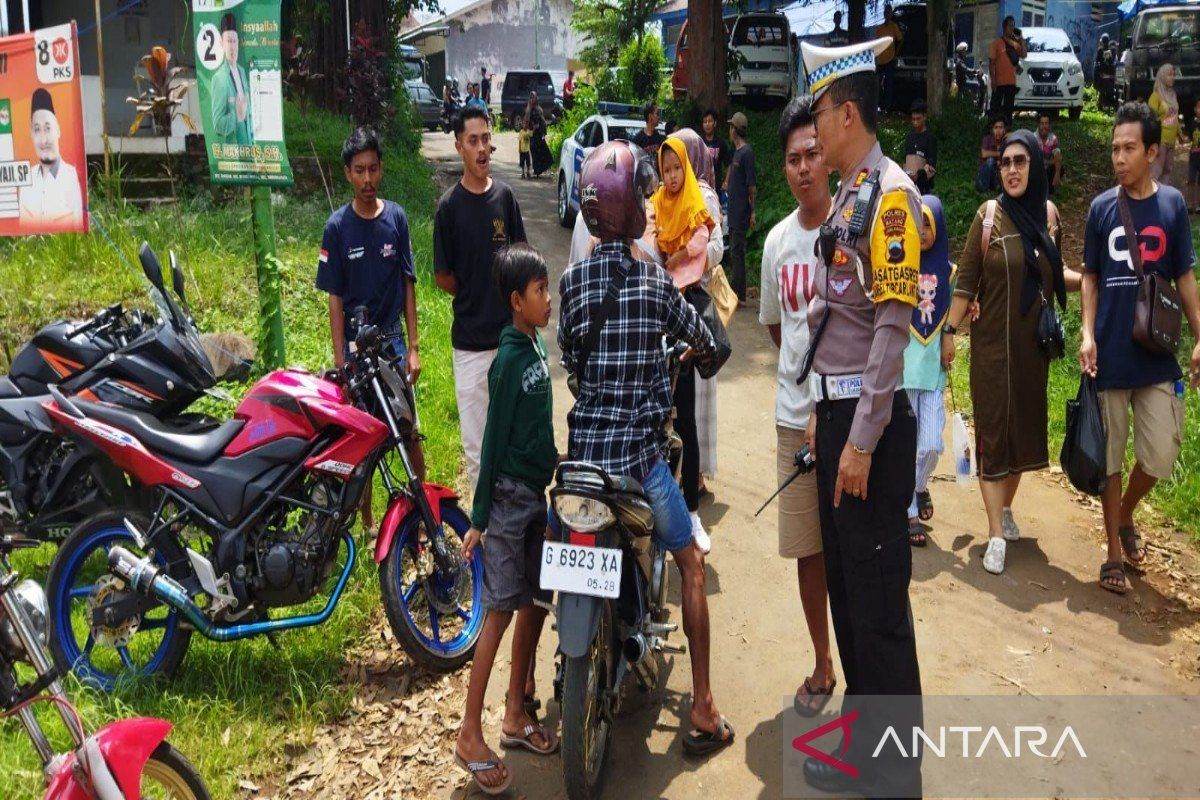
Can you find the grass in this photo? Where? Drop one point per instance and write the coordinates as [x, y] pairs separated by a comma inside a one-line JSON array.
[[235, 706], [1085, 143]]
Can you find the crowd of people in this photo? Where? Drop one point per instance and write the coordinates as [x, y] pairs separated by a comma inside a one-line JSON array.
[[862, 297]]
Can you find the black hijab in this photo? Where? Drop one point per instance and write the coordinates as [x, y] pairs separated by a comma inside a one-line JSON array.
[[1028, 213]]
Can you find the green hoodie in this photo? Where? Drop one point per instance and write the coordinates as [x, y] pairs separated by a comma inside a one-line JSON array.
[[518, 441]]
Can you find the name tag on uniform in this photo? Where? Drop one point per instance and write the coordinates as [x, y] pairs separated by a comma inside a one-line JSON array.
[[848, 387]]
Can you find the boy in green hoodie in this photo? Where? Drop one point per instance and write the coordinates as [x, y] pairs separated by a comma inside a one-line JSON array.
[[517, 463]]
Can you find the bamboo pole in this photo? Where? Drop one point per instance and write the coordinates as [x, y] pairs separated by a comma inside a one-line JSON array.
[[103, 104]]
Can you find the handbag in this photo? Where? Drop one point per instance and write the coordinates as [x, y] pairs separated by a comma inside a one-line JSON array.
[[1084, 449], [722, 294], [707, 309], [1158, 310]]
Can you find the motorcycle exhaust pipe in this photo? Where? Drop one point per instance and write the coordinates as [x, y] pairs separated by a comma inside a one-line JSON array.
[[638, 653], [144, 576]]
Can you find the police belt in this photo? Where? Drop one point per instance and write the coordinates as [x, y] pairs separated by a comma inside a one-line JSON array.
[[839, 387]]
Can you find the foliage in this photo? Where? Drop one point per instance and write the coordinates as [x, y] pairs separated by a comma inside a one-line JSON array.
[[236, 707], [366, 88], [585, 105], [642, 62], [609, 26], [298, 75], [160, 94]]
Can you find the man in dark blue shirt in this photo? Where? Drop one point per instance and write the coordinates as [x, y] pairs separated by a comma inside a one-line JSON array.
[[1128, 374], [366, 260]]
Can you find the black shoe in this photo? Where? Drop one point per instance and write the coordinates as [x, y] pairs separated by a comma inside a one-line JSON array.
[[823, 777]]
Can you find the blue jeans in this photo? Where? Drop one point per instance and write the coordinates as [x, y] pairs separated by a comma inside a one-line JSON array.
[[672, 524], [988, 177]]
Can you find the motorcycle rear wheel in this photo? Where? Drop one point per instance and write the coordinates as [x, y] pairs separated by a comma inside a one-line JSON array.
[[586, 729], [168, 774]]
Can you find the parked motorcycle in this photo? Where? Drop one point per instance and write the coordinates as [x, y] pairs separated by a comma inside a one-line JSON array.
[[127, 358], [451, 110], [123, 760], [251, 516]]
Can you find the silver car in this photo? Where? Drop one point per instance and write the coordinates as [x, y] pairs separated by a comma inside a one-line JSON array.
[[427, 104]]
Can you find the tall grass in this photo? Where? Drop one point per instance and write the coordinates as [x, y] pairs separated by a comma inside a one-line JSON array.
[[235, 706]]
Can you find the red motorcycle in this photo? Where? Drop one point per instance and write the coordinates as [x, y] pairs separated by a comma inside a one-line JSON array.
[[124, 760], [251, 516]]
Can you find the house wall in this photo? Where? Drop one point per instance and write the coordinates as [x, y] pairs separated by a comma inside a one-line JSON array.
[[501, 35]]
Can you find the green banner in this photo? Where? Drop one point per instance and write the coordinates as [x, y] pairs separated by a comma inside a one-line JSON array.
[[238, 69]]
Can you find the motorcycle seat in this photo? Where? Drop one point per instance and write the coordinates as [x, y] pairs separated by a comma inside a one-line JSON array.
[[8, 389], [160, 437]]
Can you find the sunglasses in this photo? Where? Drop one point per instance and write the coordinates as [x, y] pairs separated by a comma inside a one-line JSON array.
[[818, 112], [1017, 162]]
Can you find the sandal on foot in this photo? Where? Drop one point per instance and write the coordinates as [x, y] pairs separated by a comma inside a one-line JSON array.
[[1112, 577], [802, 702], [699, 742], [473, 768], [525, 740], [924, 505], [1131, 542], [916, 535]]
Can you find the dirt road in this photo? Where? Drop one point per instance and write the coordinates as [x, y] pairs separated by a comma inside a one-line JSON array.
[[1044, 627]]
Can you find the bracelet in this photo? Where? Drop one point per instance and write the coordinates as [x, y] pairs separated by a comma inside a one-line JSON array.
[[859, 450]]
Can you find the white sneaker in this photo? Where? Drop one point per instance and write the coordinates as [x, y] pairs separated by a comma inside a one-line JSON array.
[[993, 559], [1008, 526], [703, 542]]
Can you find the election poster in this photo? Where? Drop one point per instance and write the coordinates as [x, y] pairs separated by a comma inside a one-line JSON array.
[[240, 78], [43, 168]]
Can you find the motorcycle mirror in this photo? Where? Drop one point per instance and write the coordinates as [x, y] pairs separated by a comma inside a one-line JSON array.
[[151, 266], [177, 277]]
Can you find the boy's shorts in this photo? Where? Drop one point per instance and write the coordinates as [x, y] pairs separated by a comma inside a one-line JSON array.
[[799, 512], [512, 547], [1157, 427], [1194, 167]]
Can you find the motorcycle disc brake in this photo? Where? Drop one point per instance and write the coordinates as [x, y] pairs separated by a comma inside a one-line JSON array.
[[447, 597], [110, 636]]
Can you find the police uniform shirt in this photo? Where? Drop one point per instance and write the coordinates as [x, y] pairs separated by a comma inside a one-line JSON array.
[[867, 332]]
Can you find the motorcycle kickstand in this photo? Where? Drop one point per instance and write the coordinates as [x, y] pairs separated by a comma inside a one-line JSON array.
[[273, 640]]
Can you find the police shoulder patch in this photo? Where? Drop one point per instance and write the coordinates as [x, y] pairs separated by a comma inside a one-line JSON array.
[[895, 250]]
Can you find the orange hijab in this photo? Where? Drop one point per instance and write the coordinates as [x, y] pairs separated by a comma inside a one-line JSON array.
[[678, 215]]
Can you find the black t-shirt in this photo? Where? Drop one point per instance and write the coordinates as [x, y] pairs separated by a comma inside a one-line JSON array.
[[921, 144], [649, 143], [367, 262], [468, 229], [742, 177], [721, 154]]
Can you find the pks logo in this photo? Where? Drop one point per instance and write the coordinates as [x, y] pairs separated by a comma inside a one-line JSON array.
[[60, 50]]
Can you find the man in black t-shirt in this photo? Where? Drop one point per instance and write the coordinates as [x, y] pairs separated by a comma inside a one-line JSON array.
[[920, 150], [740, 185], [649, 138], [366, 261], [475, 217], [718, 148]]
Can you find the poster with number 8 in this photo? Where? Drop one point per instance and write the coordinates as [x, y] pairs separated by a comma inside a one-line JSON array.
[[240, 80]]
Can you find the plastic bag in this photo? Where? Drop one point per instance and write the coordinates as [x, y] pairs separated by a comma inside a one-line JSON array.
[[1084, 449], [964, 450]]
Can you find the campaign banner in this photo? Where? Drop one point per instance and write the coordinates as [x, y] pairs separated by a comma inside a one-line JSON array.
[[43, 167], [240, 79]]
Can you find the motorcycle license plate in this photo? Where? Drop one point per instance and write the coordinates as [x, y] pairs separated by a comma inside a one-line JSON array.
[[594, 571]]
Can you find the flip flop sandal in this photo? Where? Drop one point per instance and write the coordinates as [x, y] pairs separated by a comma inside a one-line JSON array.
[[524, 741], [473, 768], [1113, 571], [806, 709], [1131, 542], [917, 536], [924, 505], [701, 743]]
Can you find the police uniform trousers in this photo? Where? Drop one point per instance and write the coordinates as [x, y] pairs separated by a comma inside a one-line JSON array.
[[868, 566]]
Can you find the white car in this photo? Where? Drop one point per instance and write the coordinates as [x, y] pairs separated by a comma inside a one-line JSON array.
[[764, 40], [595, 131], [1050, 76]]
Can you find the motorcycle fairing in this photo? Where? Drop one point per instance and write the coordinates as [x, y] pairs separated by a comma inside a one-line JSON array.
[[126, 746], [400, 508]]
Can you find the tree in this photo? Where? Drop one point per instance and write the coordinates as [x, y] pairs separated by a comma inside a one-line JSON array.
[[938, 29], [608, 25], [707, 43]]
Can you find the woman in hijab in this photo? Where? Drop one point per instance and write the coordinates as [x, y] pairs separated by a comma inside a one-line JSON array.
[[1011, 266], [706, 388], [1165, 105], [535, 121]]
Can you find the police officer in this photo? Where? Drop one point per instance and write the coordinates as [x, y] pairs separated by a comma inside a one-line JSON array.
[[863, 428]]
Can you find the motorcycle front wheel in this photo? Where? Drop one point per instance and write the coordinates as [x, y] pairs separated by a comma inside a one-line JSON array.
[[586, 728], [437, 615], [169, 776]]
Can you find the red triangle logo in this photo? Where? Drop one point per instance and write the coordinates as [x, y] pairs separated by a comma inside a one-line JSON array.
[[844, 723]]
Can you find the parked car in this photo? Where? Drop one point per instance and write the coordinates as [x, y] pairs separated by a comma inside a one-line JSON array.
[[428, 104], [765, 42], [614, 122], [514, 95], [1050, 76], [679, 73], [1163, 34]]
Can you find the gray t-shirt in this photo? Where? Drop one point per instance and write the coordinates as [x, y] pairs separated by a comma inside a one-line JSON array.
[[741, 180]]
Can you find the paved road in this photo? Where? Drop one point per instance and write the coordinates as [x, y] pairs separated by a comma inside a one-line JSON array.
[[1044, 623]]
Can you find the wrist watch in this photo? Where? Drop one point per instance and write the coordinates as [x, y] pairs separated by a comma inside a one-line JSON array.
[[950, 329]]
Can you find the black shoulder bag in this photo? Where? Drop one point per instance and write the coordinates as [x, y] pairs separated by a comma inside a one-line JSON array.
[[607, 306]]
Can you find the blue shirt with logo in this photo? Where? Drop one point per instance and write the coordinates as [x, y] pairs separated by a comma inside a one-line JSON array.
[[367, 262], [1165, 237]]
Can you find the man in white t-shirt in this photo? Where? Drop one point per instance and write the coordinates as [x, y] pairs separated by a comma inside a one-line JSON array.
[[789, 265]]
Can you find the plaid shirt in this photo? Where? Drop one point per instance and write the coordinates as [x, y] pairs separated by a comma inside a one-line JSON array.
[[625, 391]]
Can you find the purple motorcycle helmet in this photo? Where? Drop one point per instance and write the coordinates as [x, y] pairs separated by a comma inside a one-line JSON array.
[[613, 183]]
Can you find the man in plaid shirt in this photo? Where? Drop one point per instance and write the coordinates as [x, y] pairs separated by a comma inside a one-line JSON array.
[[624, 396]]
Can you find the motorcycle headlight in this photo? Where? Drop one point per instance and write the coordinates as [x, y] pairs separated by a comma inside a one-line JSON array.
[[583, 514], [32, 600], [1074, 69]]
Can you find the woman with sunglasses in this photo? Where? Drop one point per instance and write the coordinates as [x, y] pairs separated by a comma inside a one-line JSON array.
[[1011, 267]]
